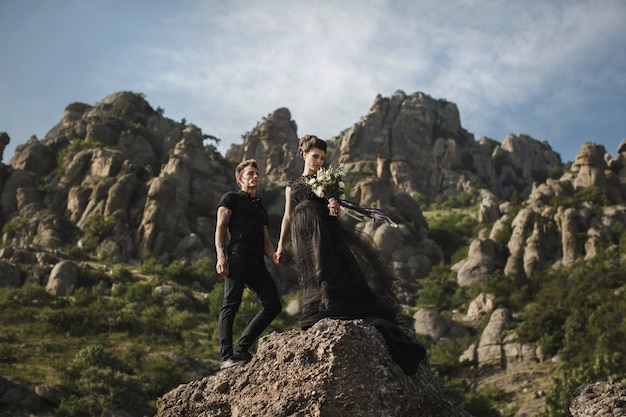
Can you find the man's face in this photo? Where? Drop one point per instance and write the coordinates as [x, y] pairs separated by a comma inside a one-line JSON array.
[[249, 178]]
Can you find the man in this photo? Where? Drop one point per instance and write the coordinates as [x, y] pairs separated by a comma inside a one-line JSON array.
[[241, 216]]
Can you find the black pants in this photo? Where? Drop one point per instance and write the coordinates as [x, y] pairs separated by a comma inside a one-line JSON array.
[[251, 273]]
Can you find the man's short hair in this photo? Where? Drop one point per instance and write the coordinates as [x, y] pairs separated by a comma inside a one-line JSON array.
[[243, 165]]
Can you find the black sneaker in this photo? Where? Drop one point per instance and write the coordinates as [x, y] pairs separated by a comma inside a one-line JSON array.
[[228, 363], [243, 356]]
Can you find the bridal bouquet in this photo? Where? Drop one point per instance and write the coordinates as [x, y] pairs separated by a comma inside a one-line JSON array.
[[328, 183]]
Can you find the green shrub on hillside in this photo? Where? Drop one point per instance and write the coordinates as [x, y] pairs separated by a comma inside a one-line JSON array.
[[75, 146], [453, 230], [14, 225], [200, 272], [97, 229], [570, 298], [436, 291], [460, 200], [602, 367], [594, 195], [578, 313], [97, 383]]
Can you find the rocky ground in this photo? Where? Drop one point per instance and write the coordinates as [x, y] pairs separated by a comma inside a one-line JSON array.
[[336, 368]]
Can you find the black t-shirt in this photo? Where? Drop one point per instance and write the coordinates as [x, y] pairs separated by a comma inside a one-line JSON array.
[[246, 224]]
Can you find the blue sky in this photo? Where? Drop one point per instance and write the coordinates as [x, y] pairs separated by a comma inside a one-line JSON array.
[[555, 70]]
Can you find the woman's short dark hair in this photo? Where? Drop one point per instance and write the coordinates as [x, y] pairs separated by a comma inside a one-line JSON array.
[[309, 142]]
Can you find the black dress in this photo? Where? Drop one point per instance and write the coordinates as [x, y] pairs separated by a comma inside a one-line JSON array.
[[340, 273]]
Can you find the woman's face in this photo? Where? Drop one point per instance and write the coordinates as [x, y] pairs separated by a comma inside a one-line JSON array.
[[313, 160]]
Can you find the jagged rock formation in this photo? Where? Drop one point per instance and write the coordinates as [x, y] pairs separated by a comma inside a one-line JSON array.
[[500, 359], [336, 368], [120, 160], [274, 145], [521, 161], [489, 208], [542, 236], [426, 151]]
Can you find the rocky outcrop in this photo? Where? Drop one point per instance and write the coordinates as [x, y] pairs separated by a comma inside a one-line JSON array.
[[118, 160], [274, 145], [409, 252], [499, 349], [420, 137], [36, 401], [593, 167], [544, 233], [33, 157], [480, 262], [429, 153], [190, 179], [569, 234], [480, 307], [527, 161], [489, 210], [600, 229], [598, 399], [334, 368], [521, 229]]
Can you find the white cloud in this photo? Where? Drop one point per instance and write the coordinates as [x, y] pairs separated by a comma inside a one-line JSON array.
[[530, 67]]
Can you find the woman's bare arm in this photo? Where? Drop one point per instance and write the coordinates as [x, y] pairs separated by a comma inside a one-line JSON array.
[[284, 228]]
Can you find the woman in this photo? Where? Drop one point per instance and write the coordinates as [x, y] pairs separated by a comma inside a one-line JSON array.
[[340, 274]]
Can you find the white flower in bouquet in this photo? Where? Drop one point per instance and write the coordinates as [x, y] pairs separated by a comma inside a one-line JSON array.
[[328, 183]]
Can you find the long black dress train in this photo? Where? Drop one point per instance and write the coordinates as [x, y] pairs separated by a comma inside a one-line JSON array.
[[340, 273]]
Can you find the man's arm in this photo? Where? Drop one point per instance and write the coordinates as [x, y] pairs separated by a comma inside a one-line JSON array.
[[221, 239], [268, 248]]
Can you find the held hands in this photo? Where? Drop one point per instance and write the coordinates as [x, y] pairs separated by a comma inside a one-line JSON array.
[[279, 256]]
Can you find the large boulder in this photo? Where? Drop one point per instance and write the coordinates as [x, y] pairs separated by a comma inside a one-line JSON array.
[[479, 263], [336, 368], [480, 307], [33, 157], [63, 278], [434, 325]]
